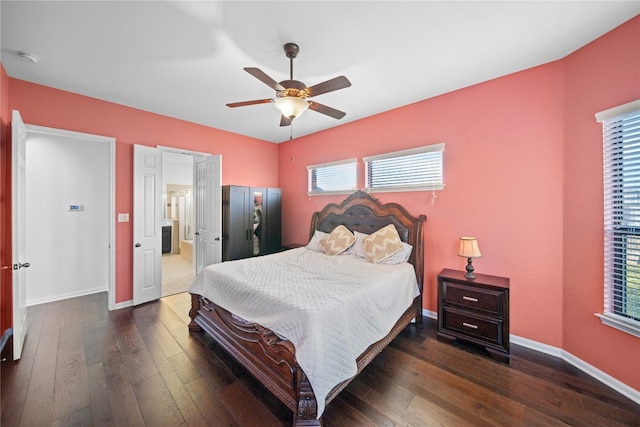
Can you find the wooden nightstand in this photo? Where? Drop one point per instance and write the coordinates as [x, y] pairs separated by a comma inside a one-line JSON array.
[[475, 310]]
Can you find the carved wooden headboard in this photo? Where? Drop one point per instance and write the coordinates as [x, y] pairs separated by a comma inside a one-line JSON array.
[[366, 214]]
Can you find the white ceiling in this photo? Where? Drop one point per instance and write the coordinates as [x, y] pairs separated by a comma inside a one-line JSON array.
[[185, 59]]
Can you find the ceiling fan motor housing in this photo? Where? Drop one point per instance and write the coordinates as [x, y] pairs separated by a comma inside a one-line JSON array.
[[293, 88], [291, 50]]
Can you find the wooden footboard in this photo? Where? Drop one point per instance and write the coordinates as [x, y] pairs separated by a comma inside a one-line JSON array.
[[272, 360], [268, 358]]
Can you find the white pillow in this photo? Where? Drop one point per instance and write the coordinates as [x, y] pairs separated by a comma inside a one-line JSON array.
[[400, 257], [338, 241], [314, 243], [357, 248]]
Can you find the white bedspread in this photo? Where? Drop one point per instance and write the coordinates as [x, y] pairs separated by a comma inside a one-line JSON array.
[[330, 307]]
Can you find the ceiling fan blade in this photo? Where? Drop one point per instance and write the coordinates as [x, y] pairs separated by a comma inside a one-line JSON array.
[[331, 112], [264, 78], [285, 121], [243, 103], [330, 85]]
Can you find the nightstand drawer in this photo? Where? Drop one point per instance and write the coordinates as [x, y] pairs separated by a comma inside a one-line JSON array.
[[463, 322], [489, 301]]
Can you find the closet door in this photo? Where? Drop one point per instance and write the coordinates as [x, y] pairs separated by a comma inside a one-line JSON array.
[[237, 222]]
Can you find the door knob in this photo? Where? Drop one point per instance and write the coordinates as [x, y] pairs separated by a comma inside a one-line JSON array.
[[217, 238], [16, 266], [138, 245]]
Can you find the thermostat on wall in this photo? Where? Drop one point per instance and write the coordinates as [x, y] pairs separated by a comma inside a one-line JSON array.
[[75, 207]]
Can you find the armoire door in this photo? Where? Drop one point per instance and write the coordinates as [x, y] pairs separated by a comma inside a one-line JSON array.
[[237, 222], [272, 207]]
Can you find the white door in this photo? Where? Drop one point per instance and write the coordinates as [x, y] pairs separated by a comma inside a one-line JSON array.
[[147, 230], [18, 197], [208, 207]]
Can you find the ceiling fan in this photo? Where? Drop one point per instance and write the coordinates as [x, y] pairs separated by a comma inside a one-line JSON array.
[[293, 96]]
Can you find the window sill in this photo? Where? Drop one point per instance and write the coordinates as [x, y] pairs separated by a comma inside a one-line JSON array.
[[625, 325], [407, 188], [329, 193]]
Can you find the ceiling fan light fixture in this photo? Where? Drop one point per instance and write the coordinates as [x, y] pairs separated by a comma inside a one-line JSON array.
[[291, 106]]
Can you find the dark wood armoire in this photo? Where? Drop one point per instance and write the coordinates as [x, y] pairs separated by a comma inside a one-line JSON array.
[[251, 221]]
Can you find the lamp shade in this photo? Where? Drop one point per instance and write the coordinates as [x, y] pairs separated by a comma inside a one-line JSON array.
[[291, 106], [469, 247]]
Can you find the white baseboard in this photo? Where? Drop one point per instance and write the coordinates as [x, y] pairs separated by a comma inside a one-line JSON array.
[[431, 314], [123, 304], [588, 369], [59, 297], [537, 346]]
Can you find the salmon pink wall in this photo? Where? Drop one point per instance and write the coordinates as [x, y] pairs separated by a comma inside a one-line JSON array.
[[523, 173], [603, 74], [245, 161], [502, 172]]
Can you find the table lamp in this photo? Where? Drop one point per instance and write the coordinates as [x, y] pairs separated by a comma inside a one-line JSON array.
[[469, 249]]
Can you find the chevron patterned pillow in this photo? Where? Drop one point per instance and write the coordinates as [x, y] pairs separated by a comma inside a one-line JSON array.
[[338, 241], [382, 244]]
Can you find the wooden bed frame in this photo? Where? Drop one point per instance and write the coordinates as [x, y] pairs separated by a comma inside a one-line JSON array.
[[271, 360]]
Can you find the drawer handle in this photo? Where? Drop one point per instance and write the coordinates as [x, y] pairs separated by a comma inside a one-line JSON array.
[[466, 298], [470, 325]]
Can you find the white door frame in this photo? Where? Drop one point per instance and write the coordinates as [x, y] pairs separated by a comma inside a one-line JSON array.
[[112, 194], [112, 187]]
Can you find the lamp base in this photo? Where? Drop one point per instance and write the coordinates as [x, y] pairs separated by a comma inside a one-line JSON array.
[[470, 269]]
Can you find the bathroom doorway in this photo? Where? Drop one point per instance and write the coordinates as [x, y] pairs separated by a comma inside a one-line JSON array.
[[178, 263]]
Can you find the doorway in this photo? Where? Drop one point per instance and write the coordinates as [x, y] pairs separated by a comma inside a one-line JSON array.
[[178, 263], [148, 216], [69, 214]]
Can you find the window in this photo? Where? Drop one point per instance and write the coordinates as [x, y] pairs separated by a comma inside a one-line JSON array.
[[332, 178], [408, 170], [621, 139]]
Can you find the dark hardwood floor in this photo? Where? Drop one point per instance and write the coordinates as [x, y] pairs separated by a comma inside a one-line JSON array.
[[83, 365]]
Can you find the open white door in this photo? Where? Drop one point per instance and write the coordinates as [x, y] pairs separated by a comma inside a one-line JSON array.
[[208, 207], [147, 230], [18, 198]]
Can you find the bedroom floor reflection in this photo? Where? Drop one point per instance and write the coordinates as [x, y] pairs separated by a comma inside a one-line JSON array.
[[177, 274]]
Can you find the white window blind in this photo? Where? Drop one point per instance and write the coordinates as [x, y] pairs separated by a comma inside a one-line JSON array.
[[407, 170], [332, 178], [621, 153]]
